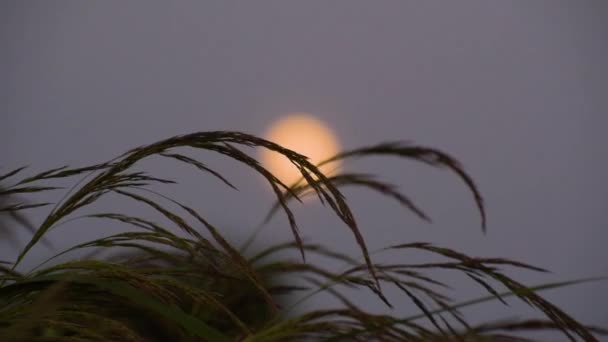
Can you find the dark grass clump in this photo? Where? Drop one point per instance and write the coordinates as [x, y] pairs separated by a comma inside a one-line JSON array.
[[184, 281]]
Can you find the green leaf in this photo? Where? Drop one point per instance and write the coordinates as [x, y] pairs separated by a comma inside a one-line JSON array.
[[189, 323]]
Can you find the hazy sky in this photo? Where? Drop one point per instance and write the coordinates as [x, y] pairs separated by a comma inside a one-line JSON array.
[[514, 89]]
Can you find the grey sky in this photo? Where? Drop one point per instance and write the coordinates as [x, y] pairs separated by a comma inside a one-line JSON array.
[[514, 89]]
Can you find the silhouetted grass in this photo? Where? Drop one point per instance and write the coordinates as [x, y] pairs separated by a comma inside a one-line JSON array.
[[184, 281]]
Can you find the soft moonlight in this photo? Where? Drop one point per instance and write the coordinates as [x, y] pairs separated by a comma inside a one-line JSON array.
[[305, 134]]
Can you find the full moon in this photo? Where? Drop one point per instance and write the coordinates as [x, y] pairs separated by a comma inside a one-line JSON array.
[[305, 134]]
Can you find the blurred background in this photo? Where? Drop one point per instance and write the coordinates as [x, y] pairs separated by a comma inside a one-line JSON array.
[[516, 90]]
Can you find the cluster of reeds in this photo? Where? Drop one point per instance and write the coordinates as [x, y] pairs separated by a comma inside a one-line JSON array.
[[184, 281]]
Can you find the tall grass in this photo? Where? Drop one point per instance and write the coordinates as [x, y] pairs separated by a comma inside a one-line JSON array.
[[184, 281]]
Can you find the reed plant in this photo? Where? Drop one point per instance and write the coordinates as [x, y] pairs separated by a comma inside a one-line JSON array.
[[181, 279]]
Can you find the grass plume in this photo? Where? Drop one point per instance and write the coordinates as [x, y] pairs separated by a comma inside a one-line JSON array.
[[182, 280]]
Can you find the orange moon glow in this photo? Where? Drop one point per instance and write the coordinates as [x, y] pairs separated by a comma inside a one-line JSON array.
[[306, 135]]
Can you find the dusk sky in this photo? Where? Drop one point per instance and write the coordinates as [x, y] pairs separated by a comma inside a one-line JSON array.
[[516, 90]]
